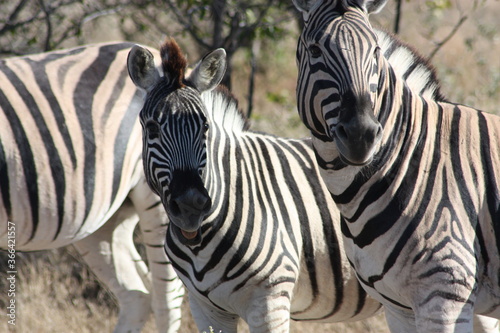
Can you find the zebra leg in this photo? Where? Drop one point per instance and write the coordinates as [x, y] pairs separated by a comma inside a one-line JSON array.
[[404, 321], [208, 318], [270, 313], [112, 256], [483, 324], [167, 289], [400, 321], [445, 316]]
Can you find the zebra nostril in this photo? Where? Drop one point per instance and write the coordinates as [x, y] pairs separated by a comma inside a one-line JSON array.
[[207, 204], [202, 202], [379, 131], [341, 133], [190, 202], [174, 208]]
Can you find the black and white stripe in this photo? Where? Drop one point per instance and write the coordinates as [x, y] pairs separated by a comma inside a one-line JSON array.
[[416, 178], [70, 162], [267, 246]]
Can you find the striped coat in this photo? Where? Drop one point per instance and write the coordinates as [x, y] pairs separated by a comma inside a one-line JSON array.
[[416, 178], [71, 173], [254, 233]]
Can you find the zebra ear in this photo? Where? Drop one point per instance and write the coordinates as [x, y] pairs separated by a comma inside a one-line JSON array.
[[209, 71], [141, 68], [306, 6], [371, 6]]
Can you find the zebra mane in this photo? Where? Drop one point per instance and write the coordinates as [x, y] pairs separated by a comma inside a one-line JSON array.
[[222, 110], [408, 63], [173, 62]]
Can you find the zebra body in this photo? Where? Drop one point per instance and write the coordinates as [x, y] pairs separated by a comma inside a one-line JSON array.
[[416, 178], [253, 232], [71, 173]]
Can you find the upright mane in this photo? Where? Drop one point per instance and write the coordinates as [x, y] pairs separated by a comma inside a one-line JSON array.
[[222, 109], [173, 62], [418, 73]]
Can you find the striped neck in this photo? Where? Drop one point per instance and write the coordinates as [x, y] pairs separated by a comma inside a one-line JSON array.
[[226, 124]]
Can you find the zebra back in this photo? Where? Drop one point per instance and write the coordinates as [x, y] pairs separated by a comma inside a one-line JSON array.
[[67, 158], [70, 173]]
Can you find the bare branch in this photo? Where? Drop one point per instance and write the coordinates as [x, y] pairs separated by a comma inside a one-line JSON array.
[[397, 19], [105, 12], [187, 24], [10, 25], [13, 16], [48, 23], [447, 38]]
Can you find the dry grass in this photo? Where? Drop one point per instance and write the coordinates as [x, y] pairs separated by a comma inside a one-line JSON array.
[[56, 293]]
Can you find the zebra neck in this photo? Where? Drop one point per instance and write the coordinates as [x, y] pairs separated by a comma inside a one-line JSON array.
[[397, 108], [219, 172]]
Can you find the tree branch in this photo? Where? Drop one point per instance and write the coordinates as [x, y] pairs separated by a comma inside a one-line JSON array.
[[447, 38], [188, 25], [48, 23], [397, 19]]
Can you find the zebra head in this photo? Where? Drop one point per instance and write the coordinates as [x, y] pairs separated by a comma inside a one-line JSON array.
[[174, 126], [338, 58]]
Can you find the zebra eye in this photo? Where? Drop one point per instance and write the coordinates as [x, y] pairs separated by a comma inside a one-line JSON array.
[[205, 127], [315, 51], [153, 129]]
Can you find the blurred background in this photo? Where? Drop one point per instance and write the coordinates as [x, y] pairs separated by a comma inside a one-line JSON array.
[[55, 291]]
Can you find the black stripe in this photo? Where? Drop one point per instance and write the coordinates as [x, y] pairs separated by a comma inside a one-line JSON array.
[[41, 76], [263, 195], [83, 99], [492, 192], [56, 166], [27, 159], [4, 181], [124, 132], [409, 182]]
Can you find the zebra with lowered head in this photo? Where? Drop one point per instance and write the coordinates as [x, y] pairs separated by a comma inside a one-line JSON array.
[[71, 173], [416, 178]]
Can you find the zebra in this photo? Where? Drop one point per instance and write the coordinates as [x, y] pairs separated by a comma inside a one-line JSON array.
[[416, 178], [265, 241], [71, 173], [253, 232]]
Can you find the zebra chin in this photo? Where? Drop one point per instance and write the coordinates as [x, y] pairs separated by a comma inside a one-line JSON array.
[[188, 238], [355, 154]]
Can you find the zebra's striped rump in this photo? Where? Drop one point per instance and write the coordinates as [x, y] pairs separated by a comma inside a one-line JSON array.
[[421, 219], [71, 173], [270, 245]]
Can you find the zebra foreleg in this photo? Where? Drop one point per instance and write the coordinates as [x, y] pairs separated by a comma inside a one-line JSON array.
[[483, 324], [167, 289], [400, 320], [404, 321], [112, 256], [209, 318]]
